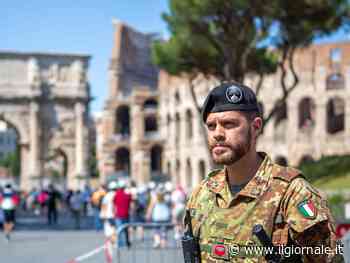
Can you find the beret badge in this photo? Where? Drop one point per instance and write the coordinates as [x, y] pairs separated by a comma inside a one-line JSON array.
[[234, 94]]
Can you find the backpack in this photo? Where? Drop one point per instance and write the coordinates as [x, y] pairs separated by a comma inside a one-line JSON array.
[[161, 213]]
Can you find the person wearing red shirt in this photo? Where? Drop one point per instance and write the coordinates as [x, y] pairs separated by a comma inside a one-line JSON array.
[[122, 201]]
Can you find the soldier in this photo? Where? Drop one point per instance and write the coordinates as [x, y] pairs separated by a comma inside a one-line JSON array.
[[251, 189]]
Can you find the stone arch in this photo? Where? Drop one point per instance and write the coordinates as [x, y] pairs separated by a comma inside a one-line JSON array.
[[335, 81], [281, 160], [188, 174], [150, 104], [335, 115], [122, 120], [122, 160], [19, 124], [280, 123], [156, 158], [189, 124], [10, 131], [306, 114], [56, 168], [306, 159], [202, 169]]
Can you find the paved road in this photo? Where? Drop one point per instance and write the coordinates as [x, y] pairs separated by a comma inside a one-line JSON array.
[[35, 242], [50, 246]]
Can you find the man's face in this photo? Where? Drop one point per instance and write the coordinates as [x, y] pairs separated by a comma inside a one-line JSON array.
[[229, 136]]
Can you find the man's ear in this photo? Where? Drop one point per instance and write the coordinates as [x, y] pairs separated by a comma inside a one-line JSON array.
[[257, 125]]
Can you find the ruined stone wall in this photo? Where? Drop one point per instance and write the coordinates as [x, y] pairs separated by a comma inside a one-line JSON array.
[[133, 82], [287, 138]]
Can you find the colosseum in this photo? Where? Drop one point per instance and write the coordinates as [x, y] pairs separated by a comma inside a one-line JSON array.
[[314, 121]]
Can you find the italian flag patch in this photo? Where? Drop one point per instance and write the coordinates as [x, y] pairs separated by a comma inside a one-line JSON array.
[[307, 209]]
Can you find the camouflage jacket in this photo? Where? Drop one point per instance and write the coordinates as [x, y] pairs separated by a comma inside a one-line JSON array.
[[280, 199]]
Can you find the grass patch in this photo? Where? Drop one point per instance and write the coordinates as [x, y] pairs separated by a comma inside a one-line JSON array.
[[327, 169], [333, 183]]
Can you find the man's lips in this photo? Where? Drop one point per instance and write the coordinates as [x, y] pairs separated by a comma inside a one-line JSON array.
[[219, 149]]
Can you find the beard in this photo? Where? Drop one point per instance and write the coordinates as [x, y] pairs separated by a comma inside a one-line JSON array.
[[233, 153]]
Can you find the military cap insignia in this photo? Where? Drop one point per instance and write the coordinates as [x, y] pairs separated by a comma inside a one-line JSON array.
[[307, 209], [219, 251], [234, 94]]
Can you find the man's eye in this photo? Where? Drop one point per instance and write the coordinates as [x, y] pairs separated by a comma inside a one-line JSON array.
[[211, 126], [229, 125]]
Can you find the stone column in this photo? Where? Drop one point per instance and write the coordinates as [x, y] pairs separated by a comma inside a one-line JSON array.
[[34, 166], [80, 164], [137, 124], [25, 183]]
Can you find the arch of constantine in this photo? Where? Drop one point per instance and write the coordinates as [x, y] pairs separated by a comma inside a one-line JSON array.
[[45, 98]]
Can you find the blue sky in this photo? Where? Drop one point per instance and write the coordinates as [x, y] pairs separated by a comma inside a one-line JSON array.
[[76, 27], [80, 27]]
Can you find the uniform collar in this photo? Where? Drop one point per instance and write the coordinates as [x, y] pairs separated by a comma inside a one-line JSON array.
[[218, 183]]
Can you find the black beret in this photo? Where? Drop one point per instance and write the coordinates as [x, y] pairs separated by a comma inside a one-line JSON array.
[[229, 97]]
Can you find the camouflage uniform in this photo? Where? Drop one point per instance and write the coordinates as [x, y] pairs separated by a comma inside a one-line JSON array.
[[274, 197]]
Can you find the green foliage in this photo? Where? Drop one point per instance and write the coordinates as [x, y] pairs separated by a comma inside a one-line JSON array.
[[12, 162], [327, 167], [336, 204], [228, 38]]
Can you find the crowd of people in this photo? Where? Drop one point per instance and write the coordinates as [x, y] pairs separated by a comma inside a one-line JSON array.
[[119, 204], [113, 205]]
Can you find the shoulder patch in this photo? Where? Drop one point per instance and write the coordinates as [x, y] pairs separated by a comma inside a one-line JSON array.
[[307, 209]]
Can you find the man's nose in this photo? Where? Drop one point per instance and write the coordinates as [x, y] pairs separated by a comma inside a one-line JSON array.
[[219, 133]]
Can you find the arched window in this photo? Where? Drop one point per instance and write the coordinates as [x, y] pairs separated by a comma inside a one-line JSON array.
[[151, 123], [280, 123], [335, 81], [122, 160], [306, 114], [202, 169], [168, 123], [188, 174], [122, 121], [156, 158], [189, 124], [336, 55], [281, 160], [150, 104], [177, 172], [335, 115], [177, 98], [177, 128], [169, 169]]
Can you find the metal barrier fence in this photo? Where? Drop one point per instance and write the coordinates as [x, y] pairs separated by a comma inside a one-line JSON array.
[[142, 250], [346, 249]]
